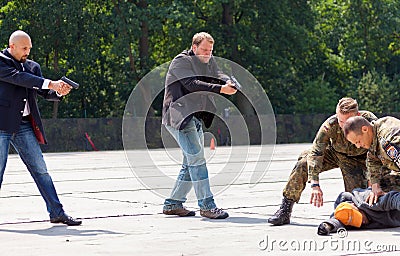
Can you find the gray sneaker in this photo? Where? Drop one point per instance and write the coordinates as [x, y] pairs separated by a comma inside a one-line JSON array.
[[181, 212], [215, 213]]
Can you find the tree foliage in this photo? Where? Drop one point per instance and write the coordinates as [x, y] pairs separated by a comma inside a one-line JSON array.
[[378, 94], [306, 54]]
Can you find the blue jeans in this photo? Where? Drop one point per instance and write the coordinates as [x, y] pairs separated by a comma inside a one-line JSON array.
[[194, 170], [25, 143]]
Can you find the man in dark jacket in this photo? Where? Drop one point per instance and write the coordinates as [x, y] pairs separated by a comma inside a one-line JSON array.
[[192, 79], [20, 124], [352, 211]]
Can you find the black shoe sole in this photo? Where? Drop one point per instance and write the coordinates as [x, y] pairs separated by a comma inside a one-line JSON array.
[[189, 214], [278, 223], [66, 222]]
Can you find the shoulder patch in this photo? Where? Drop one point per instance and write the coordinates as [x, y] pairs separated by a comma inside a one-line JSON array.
[[392, 151]]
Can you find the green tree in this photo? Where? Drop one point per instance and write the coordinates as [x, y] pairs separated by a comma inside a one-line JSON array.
[[317, 97], [378, 94], [356, 37], [288, 45]]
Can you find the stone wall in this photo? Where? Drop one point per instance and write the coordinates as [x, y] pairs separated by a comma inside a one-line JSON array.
[[106, 133]]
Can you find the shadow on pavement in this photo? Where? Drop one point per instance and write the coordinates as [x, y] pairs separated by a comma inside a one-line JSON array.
[[241, 220], [62, 231]]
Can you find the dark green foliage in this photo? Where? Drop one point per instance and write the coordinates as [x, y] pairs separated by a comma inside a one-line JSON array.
[[305, 54]]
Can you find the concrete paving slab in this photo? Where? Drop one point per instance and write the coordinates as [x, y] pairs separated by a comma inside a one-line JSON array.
[[122, 216]]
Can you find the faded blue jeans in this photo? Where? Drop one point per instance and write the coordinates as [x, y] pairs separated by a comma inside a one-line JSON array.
[[25, 143], [194, 170]]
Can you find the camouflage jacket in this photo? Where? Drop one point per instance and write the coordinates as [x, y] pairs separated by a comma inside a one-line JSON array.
[[384, 154], [331, 135]]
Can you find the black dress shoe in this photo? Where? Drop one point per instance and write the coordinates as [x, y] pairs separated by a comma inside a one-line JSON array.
[[65, 219]]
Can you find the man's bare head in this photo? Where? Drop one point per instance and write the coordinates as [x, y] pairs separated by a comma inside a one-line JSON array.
[[20, 45], [359, 132], [16, 36]]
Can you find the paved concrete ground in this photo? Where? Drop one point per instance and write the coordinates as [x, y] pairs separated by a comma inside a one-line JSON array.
[[123, 217]]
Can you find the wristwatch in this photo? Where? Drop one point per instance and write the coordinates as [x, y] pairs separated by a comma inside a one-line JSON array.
[[314, 185]]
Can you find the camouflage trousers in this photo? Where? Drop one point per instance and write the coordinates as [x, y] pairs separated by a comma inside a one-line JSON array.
[[353, 171]]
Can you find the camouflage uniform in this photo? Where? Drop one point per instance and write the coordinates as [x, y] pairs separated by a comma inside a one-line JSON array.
[[330, 150], [383, 160]]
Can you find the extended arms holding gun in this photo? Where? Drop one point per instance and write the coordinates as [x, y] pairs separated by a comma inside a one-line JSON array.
[[63, 86], [231, 86], [236, 83], [74, 85]]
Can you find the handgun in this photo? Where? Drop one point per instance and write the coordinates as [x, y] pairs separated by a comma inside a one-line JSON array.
[[236, 84], [74, 85]]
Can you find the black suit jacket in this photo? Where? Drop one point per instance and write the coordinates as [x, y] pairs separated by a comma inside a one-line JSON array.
[[18, 85], [189, 85]]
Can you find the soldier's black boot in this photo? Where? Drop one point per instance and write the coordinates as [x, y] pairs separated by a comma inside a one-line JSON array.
[[282, 216], [324, 229]]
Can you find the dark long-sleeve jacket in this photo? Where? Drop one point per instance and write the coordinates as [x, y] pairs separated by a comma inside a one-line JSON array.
[[383, 214], [189, 88], [17, 85]]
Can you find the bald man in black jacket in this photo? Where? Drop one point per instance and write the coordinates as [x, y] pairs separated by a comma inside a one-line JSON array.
[[20, 124]]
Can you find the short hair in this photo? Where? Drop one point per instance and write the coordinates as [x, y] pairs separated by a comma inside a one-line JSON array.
[[346, 106], [355, 124], [17, 35], [199, 37]]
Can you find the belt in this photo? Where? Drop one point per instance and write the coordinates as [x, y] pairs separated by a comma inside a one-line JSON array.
[[25, 119]]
